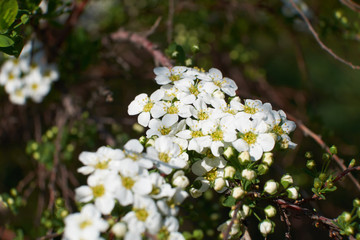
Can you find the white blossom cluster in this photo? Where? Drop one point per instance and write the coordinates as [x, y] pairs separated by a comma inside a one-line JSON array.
[[29, 75], [122, 177], [199, 111]]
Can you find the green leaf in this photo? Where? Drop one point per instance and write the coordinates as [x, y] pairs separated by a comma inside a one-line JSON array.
[[229, 201], [5, 41], [14, 49], [24, 18], [8, 12]]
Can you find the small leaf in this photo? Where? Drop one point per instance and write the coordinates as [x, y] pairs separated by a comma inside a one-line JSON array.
[[8, 12], [5, 41], [229, 201]]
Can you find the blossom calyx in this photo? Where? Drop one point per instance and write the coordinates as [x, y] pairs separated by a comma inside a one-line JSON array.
[[286, 180]]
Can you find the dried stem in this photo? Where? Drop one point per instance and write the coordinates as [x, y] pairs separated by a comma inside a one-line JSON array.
[[228, 229]]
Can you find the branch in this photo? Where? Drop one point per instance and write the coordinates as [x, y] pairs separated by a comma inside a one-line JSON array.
[[228, 229], [141, 41], [317, 38], [317, 138], [352, 5], [169, 22]]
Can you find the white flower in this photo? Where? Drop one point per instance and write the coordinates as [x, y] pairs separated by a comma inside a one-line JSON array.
[[235, 228], [271, 187], [144, 105], [158, 128], [180, 180], [36, 86], [160, 189], [166, 155], [119, 229], [133, 150], [18, 96], [286, 180], [266, 227], [254, 137], [173, 110], [101, 188], [165, 75], [86, 224], [144, 216], [227, 85]]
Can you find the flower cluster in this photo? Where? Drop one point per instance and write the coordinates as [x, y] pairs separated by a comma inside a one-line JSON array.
[[29, 75], [122, 177]]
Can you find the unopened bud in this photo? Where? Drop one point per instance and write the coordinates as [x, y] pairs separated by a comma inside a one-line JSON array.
[[138, 128], [219, 94], [195, 193], [270, 211], [266, 227], [356, 203], [238, 192], [322, 177], [228, 153], [292, 193], [268, 158], [181, 181], [325, 157], [229, 172], [150, 143], [195, 48], [142, 140], [310, 164], [352, 163], [271, 187], [308, 155], [248, 174], [119, 229], [346, 216], [286, 180], [333, 149], [262, 169], [349, 230], [219, 184], [244, 158]]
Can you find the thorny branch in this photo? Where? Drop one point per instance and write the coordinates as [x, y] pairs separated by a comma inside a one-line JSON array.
[[317, 38]]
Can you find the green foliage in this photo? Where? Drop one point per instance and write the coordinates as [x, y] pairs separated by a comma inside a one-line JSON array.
[[8, 12]]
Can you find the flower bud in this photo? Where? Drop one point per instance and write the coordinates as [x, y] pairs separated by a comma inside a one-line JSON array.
[[268, 158], [325, 157], [308, 155], [284, 144], [349, 230], [270, 211], [219, 184], [271, 187], [244, 158], [150, 143], [238, 192], [333, 149], [310, 164], [180, 181], [286, 180], [262, 169], [322, 177], [119, 229], [292, 193], [138, 128], [228, 153], [352, 163], [346, 216], [229, 172], [356, 203], [266, 227], [195, 193], [248, 174]]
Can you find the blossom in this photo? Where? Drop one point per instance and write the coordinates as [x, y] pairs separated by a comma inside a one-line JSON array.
[[227, 85], [266, 227], [165, 75], [87, 224], [271, 187]]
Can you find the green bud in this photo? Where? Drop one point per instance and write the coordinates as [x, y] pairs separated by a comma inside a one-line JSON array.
[[270, 211], [308, 155], [36, 155], [55, 129], [174, 54], [325, 157], [10, 201], [346, 216], [244, 158], [70, 147], [329, 184], [323, 177], [286, 180], [64, 213], [356, 203], [138, 128], [349, 230], [352, 163], [198, 234], [13, 192], [48, 224], [34, 146], [142, 140], [228, 153], [195, 48], [358, 236], [49, 134], [262, 169], [333, 149], [317, 183], [310, 164]]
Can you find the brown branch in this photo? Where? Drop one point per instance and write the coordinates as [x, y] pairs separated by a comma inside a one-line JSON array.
[[25, 181], [50, 236], [228, 229], [317, 138], [317, 38], [139, 40], [153, 28], [352, 5], [344, 173]]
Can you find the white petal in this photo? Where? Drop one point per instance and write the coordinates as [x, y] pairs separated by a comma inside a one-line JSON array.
[[266, 141], [144, 118], [241, 145]]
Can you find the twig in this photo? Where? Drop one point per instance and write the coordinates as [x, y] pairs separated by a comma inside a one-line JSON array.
[[352, 5], [139, 40], [169, 22], [49, 236], [153, 27], [323, 145], [317, 38], [25, 181], [228, 229], [284, 217], [344, 173]]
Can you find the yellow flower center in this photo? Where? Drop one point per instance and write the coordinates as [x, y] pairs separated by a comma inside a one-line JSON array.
[[148, 106], [249, 137], [211, 175], [85, 224], [163, 234], [217, 135], [199, 69], [194, 90], [218, 83], [98, 190], [250, 110], [202, 115], [164, 130], [19, 93], [11, 76], [278, 130], [127, 182], [174, 78], [164, 157], [102, 164], [141, 214], [34, 86], [132, 156], [155, 190], [196, 134], [172, 110]]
